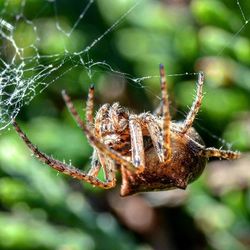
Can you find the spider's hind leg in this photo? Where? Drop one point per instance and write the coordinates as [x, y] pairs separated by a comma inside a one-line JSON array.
[[60, 166]]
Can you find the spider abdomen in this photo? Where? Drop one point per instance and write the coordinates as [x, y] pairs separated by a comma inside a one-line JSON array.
[[185, 166]]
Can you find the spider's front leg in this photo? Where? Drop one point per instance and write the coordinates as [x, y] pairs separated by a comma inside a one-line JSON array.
[[60, 166]]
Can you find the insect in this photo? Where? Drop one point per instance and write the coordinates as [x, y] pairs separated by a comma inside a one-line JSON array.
[[151, 152]]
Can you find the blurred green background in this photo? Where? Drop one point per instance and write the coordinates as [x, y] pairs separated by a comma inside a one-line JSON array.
[[41, 209]]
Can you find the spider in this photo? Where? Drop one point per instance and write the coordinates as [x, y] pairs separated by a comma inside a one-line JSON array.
[[151, 151]]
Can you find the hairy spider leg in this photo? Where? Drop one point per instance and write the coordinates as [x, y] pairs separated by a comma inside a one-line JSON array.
[[107, 164], [218, 153], [95, 164], [137, 147], [165, 117], [117, 157], [90, 107], [60, 166], [154, 132], [195, 106], [97, 158], [110, 169]]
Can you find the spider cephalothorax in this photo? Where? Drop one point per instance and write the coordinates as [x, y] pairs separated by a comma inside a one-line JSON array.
[[112, 126], [151, 152]]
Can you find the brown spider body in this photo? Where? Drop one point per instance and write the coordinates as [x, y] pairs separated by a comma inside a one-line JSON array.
[[185, 166], [151, 152]]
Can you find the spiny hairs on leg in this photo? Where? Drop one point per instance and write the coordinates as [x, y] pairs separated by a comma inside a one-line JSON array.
[[60, 166], [137, 147], [207, 152], [95, 142], [90, 106], [195, 106], [219, 153], [166, 118]]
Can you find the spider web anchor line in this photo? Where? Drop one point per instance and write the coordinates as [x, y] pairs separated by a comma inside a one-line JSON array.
[[242, 12]]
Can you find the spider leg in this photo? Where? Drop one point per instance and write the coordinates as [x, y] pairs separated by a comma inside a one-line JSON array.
[[93, 140], [109, 169], [102, 114], [90, 106], [137, 148], [155, 133], [95, 164], [218, 153], [195, 106], [166, 119], [60, 166], [98, 161]]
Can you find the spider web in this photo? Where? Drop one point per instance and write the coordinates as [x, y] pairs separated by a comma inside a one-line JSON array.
[[25, 70]]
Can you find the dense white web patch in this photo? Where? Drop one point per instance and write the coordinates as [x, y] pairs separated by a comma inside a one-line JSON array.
[[23, 74]]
